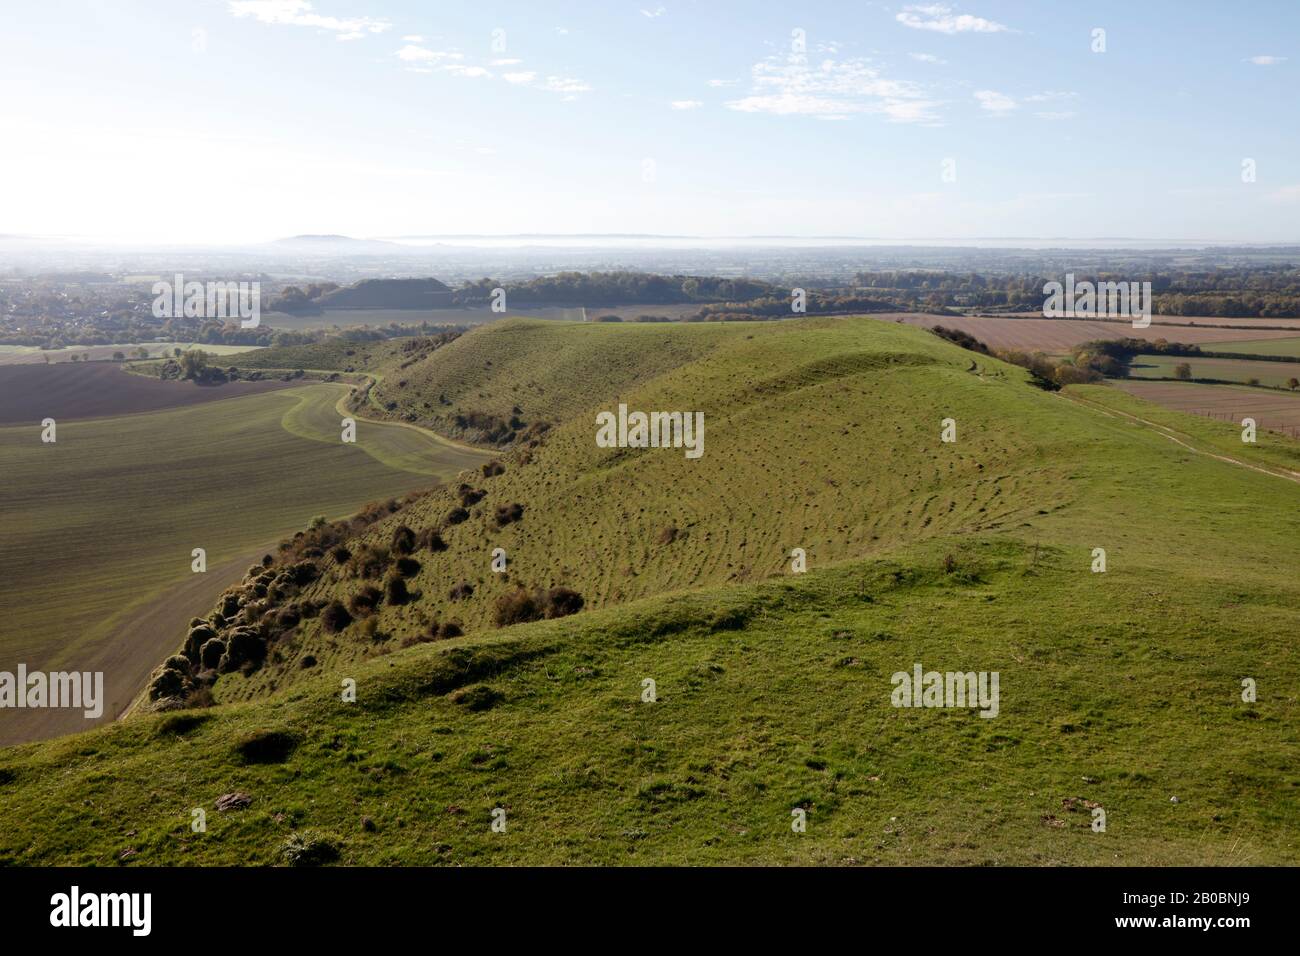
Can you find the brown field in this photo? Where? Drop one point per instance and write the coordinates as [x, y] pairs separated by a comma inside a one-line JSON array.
[[1198, 321], [1060, 335], [1278, 411], [29, 393]]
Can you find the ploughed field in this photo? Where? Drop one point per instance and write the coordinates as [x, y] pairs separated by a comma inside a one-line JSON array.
[[99, 526], [1276, 410], [69, 390], [1060, 335]]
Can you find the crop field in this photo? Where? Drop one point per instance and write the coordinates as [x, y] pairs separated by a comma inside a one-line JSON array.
[[1061, 335], [1120, 689], [1276, 410], [1228, 370], [111, 512], [354, 318], [31, 355], [30, 393], [1287, 346]]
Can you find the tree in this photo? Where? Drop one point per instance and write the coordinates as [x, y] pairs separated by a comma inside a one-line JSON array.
[[1182, 371], [119, 357], [193, 364], [1293, 383]]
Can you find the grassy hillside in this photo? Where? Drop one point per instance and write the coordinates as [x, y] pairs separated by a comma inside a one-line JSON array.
[[1122, 689]]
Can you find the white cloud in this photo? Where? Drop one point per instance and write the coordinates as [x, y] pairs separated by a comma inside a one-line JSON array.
[[507, 62], [656, 12], [418, 54], [686, 104], [995, 102], [833, 89], [717, 83], [1265, 59], [460, 69], [413, 38], [299, 13], [519, 79], [565, 84], [940, 18], [926, 58], [1050, 96]]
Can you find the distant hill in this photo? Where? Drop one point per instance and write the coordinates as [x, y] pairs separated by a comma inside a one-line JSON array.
[[421, 294], [340, 245]]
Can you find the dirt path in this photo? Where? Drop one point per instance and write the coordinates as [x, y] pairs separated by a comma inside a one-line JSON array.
[[1178, 438]]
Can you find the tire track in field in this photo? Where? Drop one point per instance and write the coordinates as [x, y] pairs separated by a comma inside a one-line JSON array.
[[1173, 435]]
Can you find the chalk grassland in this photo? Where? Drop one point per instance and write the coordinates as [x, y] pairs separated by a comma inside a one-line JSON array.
[[1060, 335], [104, 520], [31, 355], [1228, 370], [1269, 409], [32, 393], [354, 318], [1121, 689]]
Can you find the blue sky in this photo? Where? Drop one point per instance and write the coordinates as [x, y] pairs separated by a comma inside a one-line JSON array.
[[212, 120]]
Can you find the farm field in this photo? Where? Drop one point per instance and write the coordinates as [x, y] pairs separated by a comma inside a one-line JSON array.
[[1201, 322], [30, 393], [1288, 346], [353, 318], [31, 355], [774, 689], [1061, 335], [1229, 370], [1276, 410], [100, 525]]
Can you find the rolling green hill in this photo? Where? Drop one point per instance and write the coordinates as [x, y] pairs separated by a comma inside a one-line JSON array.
[[1120, 690]]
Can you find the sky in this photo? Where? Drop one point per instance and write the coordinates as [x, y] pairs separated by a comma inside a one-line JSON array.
[[223, 121]]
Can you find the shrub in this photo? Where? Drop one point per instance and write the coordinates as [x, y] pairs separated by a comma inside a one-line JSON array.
[[308, 661], [395, 592], [509, 513], [561, 602], [340, 554], [308, 849], [493, 468], [406, 567], [211, 653], [334, 617], [431, 539], [516, 607], [457, 515], [369, 561], [462, 591], [403, 540], [450, 629], [267, 746], [365, 601], [471, 496]]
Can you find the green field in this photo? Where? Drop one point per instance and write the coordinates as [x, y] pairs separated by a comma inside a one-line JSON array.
[[1122, 689], [1274, 374], [102, 521], [1259, 347]]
